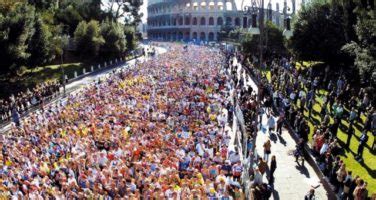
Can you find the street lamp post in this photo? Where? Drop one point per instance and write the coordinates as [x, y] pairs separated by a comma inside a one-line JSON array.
[[261, 22], [257, 7], [64, 42], [252, 10], [62, 71]]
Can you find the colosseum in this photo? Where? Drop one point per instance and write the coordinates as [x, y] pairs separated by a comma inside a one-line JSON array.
[[199, 20]]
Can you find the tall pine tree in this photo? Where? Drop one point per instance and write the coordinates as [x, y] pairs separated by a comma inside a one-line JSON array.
[[39, 46]]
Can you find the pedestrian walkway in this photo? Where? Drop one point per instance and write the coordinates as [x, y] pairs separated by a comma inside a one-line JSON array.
[[291, 181]]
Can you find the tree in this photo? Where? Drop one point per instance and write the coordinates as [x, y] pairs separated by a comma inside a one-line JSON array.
[[225, 31], [364, 50], [88, 38], [134, 17], [319, 34], [275, 42], [116, 9], [16, 27], [8, 5], [113, 34], [91, 10], [69, 16], [42, 4], [39, 46], [130, 36], [250, 45]]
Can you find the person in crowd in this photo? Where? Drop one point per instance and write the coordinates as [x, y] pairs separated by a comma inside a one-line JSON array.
[[310, 195], [237, 170], [303, 130], [262, 166], [362, 142], [280, 122], [341, 175], [267, 150], [352, 116], [346, 186], [360, 192], [350, 133], [299, 152], [334, 127], [273, 167], [270, 123]]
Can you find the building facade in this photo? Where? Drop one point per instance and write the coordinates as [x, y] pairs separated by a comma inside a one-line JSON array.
[[199, 20]]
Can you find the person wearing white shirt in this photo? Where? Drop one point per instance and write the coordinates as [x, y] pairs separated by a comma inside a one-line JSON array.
[[324, 148], [257, 177], [271, 123], [200, 148], [234, 157]]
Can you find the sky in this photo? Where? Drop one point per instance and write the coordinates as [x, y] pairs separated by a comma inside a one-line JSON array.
[[238, 4]]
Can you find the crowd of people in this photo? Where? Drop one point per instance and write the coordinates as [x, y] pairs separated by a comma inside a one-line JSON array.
[[295, 92], [23, 101], [259, 168], [155, 131]]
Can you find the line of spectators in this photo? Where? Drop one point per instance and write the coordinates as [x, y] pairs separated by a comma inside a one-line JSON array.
[[23, 101], [295, 92]]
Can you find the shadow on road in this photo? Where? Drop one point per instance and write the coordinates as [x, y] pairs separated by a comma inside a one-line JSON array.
[[303, 170]]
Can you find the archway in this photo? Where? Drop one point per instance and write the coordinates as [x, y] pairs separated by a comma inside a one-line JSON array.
[[194, 35], [186, 36], [194, 21], [211, 36], [219, 21], [203, 21], [211, 21], [180, 36], [202, 36], [187, 21], [228, 21], [237, 21]]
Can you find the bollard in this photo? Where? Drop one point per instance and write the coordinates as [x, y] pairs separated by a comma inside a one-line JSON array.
[[116, 60], [105, 64], [110, 62], [92, 68], [84, 71], [75, 74], [99, 66]]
